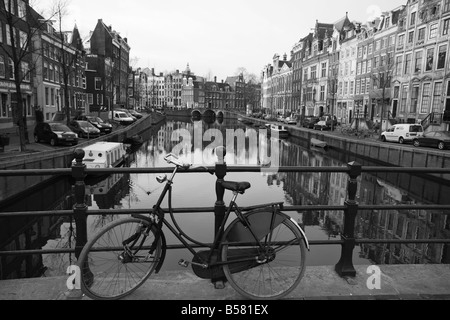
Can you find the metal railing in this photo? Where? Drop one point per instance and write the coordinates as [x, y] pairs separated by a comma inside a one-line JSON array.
[[350, 208]]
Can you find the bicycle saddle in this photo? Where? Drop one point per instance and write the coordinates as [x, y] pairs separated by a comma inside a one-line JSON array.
[[236, 186]]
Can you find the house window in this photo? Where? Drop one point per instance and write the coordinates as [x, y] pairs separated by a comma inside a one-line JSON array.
[[442, 54], [47, 97], [433, 31], [369, 66], [322, 93], [421, 34], [305, 74], [1, 32], [313, 72], [445, 27], [11, 69], [52, 96], [404, 98], [90, 98], [25, 71], [98, 84], [437, 97], [45, 71], [414, 97], [2, 67], [368, 85], [411, 37], [426, 98], [324, 70], [398, 65], [401, 39], [412, 20], [363, 86], [418, 61], [99, 99], [407, 63], [358, 84], [446, 6], [430, 59]]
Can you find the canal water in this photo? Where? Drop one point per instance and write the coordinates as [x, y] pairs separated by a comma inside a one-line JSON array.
[[194, 141]]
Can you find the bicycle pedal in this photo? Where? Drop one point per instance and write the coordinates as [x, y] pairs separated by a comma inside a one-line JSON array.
[[183, 263]]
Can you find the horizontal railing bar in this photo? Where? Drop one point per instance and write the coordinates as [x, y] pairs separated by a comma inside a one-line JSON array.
[[195, 246], [68, 171], [109, 212]]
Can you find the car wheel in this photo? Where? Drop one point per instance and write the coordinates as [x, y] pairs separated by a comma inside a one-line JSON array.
[[383, 138], [53, 142], [416, 143], [441, 146], [36, 139], [401, 140]]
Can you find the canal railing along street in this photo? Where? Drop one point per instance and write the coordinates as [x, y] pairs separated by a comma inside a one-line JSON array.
[[344, 267], [349, 239]]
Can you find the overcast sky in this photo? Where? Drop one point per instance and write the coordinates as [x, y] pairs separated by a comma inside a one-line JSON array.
[[214, 37]]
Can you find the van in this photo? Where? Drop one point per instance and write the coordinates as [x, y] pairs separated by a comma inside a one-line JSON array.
[[122, 118], [402, 133]]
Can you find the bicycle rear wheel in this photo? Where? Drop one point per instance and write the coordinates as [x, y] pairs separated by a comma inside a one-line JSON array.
[[109, 272], [268, 272]]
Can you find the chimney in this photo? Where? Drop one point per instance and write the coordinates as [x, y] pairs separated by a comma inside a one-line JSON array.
[[215, 79]]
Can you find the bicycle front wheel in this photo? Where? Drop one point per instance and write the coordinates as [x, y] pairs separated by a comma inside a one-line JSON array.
[[270, 268], [108, 270]]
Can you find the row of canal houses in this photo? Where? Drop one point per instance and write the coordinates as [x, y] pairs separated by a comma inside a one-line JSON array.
[[45, 68], [393, 68]]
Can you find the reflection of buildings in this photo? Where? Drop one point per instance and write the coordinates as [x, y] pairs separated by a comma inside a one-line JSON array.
[[109, 192], [32, 233], [331, 189]]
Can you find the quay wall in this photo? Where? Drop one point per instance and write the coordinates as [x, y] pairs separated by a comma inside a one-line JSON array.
[[385, 153], [59, 159]]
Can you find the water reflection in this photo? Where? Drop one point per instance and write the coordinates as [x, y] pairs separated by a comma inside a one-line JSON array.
[[140, 191]]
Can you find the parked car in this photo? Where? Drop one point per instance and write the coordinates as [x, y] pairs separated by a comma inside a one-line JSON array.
[[97, 122], [128, 113], [290, 120], [55, 133], [435, 139], [309, 122], [401, 133], [136, 114], [84, 129], [325, 123], [122, 118]]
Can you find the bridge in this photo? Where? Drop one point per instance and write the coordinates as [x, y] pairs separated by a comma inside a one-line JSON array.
[[208, 113]]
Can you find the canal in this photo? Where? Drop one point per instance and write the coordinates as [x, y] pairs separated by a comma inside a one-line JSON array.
[[184, 137]]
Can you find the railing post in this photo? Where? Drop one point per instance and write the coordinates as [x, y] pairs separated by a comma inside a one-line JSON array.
[[219, 207], [80, 208], [345, 265], [221, 172]]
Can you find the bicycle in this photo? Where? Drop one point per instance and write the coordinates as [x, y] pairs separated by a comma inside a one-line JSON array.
[[261, 253]]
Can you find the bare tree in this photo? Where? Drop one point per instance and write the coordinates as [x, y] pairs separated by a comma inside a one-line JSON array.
[[23, 23], [68, 62], [382, 77]]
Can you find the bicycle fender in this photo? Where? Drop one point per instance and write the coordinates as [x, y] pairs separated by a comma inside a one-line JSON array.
[[162, 237], [260, 221], [302, 232], [305, 239]]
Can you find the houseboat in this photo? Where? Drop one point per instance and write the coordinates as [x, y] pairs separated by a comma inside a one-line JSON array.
[[102, 155], [280, 130]]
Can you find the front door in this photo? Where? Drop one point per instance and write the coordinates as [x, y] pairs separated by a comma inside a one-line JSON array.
[[394, 109]]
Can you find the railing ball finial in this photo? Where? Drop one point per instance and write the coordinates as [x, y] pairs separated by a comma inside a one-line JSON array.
[[79, 155]]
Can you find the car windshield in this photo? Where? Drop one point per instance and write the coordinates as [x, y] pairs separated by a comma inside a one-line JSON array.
[[85, 124], [415, 129], [59, 127], [122, 115], [99, 120], [446, 134]]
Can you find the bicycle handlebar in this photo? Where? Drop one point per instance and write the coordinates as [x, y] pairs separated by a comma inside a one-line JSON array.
[[173, 159]]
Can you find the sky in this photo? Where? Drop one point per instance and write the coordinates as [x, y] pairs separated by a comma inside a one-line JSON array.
[[215, 38]]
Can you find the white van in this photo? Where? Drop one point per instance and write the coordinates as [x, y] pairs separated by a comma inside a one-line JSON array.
[[402, 133], [122, 118]]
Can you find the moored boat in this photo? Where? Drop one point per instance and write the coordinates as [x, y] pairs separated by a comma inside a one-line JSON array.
[[280, 130]]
